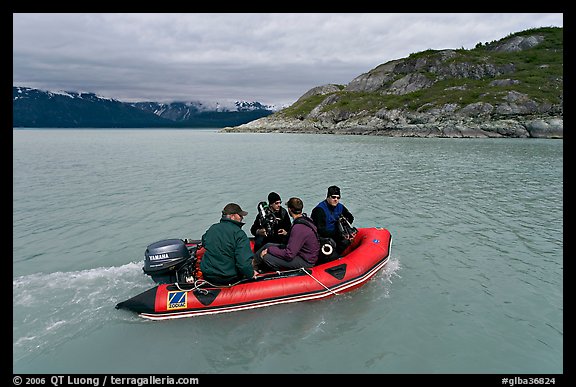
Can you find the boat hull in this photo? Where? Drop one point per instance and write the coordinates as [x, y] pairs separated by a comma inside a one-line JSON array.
[[369, 253]]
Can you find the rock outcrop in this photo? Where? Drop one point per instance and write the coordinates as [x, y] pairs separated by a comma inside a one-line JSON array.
[[509, 88]]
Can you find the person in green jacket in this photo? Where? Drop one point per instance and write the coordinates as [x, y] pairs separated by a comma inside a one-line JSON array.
[[228, 256]]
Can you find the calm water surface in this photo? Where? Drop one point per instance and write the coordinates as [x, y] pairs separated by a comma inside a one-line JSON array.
[[475, 283]]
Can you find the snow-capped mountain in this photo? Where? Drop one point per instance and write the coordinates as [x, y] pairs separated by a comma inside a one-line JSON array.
[[70, 109], [185, 111]]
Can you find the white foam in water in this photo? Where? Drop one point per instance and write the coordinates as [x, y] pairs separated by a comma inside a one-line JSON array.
[[386, 275], [391, 269], [75, 302]]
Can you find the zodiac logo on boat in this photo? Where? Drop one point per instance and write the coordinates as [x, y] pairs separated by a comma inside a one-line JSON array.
[[177, 300]]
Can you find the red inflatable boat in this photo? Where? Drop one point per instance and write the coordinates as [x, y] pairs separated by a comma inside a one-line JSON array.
[[368, 253]]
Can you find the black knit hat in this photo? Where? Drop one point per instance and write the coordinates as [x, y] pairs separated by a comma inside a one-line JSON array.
[[273, 197], [333, 190]]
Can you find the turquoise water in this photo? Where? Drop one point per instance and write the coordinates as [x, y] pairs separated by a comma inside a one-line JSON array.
[[474, 285]]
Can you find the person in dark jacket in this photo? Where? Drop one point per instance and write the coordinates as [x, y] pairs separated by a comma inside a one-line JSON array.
[[281, 226], [301, 249], [228, 256], [325, 216]]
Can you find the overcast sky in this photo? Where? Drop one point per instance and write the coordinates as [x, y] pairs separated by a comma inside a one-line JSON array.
[[271, 58]]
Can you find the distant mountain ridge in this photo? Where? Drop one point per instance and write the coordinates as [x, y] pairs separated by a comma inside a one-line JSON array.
[[204, 112], [36, 108]]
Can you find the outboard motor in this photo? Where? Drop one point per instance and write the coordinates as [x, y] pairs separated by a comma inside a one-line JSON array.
[[169, 261]]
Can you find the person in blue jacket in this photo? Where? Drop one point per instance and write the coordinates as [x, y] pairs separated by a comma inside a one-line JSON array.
[[325, 216]]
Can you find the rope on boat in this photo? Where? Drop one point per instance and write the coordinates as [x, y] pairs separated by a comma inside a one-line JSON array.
[[314, 278], [199, 283]]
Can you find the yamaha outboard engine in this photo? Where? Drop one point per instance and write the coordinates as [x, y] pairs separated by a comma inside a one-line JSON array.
[[170, 261]]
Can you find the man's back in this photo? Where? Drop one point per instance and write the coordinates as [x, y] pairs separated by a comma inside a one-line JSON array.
[[228, 252]]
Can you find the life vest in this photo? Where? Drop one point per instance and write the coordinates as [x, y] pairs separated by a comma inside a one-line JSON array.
[[332, 214]]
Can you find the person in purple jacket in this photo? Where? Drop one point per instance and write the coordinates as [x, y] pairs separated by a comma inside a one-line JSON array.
[[302, 248]]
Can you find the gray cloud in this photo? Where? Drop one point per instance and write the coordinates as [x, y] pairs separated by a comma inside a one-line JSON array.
[[267, 57]]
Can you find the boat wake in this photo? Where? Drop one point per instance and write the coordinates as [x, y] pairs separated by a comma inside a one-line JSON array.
[[50, 309], [387, 275]]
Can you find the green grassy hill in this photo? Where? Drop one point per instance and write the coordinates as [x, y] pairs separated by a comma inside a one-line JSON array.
[[512, 87], [485, 74]]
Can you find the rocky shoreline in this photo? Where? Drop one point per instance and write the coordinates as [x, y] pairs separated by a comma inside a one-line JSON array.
[[465, 127]]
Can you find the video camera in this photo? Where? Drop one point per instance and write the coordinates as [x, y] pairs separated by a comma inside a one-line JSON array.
[[267, 218], [347, 231]]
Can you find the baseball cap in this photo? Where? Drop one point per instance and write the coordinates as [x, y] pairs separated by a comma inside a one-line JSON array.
[[233, 208]]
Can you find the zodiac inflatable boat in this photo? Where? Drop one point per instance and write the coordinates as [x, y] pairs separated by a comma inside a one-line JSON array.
[[181, 291]]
